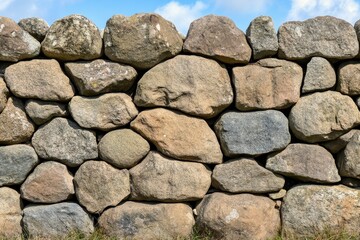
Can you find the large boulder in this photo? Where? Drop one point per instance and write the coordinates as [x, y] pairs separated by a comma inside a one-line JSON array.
[[72, 38], [15, 125], [245, 175], [305, 162], [63, 140], [10, 214], [16, 43], [179, 136], [269, 83], [99, 185], [56, 220], [100, 76], [252, 133], [50, 182], [105, 112], [241, 216], [137, 220], [4, 94], [195, 85], [308, 210], [123, 148], [323, 116], [348, 159], [142, 40], [40, 79], [41, 112], [158, 178], [37, 27], [348, 78], [217, 37], [262, 37], [323, 36]]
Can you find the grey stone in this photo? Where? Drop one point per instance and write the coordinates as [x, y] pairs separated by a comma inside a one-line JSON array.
[[16, 44], [217, 37], [10, 214], [56, 220], [320, 75], [137, 220], [269, 83], [37, 27], [4, 94], [100, 76], [334, 146], [323, 36], [142, 40], [278, 195], [105, 112], [323, 116], [158, 178], [39, 79], [305, 162], [41, 112], [64, 141], [348, 159], [245, 176], [240, 216], [123, 148], [262, 37], [16, 162], [308, 210], [195, 85], [348, 79], [252, 133], [72, 38], [99, 185], [15, 125]]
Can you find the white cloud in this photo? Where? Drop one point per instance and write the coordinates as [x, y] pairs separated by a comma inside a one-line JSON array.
[[345, 9], [5, 4], [243, 6], [181, 14]]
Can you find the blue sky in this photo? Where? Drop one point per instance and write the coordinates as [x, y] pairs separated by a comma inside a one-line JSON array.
[[183, 12]]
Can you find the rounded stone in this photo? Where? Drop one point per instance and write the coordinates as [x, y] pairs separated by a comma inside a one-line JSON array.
[[37, 27]]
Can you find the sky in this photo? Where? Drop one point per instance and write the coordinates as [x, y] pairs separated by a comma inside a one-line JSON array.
[[183, 12]]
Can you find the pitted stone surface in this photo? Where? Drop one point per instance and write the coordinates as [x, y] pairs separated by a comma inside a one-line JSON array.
[[37, 27]]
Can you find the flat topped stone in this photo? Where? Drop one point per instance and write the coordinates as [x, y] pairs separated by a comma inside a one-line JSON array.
[[217, 37], [72, 38], [37, 27], [323, 36], [142, 40]]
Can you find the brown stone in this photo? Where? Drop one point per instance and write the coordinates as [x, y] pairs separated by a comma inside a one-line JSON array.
[[41, 112], [348, 78], [10, 214], [4, 94], [348, 159]]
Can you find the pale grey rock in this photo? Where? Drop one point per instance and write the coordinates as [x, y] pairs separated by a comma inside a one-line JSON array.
[[278, 195], [252, 133], [63, 140], [10, 214], [37, 27], [348, 79], [4, 94], [348, 159], [334, 146], [40, 112]]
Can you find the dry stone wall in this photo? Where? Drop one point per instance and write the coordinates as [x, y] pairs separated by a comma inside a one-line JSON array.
[[145, 134]]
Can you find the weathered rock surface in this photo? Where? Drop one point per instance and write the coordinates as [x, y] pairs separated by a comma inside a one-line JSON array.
[[4, 94], [104, 112], [64, 141], [16, 44], [136, 220], [262, 37], [278, 195], [99, 185], [245, 176], [323, 36], [10, 214], [179, 136], [348, 159], [310, 209], [252, 133], [37, 27], [320, 75], [123, 148], [142, 40], [348, 78], [241, 216], [56, 220], [100, 76], [15, 126], [323, 116], [40, 79], [72, 38], [269, 83], [16, 162], [41, 112], [158, 178], [334, 146], [195, 85], [306, 162], [217, 37], [50, 182]]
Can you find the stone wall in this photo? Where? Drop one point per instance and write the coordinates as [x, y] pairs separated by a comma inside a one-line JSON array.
[[145, 134]]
